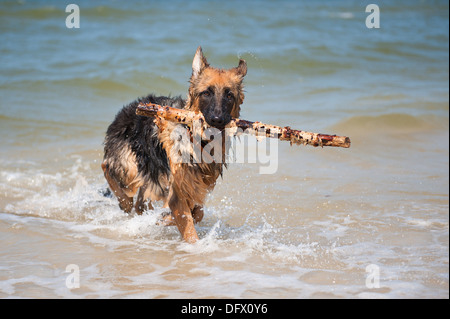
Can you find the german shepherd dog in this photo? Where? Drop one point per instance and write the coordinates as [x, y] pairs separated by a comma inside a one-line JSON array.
[[139, 153]]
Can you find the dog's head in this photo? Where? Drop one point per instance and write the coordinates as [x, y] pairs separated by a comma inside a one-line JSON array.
[[216, 93]]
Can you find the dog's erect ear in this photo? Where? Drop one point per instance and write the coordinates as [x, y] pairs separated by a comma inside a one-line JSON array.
[[199, 63], [241, 69]]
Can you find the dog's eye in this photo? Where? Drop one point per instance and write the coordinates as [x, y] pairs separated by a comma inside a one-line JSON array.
[[229, 95], [206, 93]]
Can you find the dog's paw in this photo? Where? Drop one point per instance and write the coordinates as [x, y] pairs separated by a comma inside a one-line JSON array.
[[166, 219]]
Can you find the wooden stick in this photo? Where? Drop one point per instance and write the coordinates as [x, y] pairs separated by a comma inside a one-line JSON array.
[[298, 137]]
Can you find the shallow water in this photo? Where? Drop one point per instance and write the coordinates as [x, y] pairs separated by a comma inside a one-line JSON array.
[[310, 230]]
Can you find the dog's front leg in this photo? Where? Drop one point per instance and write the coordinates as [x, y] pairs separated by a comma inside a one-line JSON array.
[[183, 218], [185, 224]]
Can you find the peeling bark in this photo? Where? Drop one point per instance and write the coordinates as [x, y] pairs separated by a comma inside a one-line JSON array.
[[255, 128]]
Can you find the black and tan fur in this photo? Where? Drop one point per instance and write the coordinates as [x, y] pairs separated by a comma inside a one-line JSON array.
[[138, 156]]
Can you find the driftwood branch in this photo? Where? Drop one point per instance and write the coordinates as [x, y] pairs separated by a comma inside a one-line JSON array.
[[255, 128]]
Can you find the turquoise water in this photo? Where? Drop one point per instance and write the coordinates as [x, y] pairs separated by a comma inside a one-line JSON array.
[[309, 230]]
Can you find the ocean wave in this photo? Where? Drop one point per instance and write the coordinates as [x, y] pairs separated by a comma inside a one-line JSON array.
[[39, 13], [123, 91], [46, 11], [392, 123]]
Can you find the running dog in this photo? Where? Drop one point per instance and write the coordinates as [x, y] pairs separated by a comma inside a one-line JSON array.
[[139, 151]]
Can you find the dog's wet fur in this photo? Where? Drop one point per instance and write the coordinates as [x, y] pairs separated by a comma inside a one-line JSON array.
[[139, 153]]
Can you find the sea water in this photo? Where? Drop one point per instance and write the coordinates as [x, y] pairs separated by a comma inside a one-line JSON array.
[[370, 221]]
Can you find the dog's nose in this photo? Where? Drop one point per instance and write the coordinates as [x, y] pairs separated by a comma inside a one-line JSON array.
[[217, 121]]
